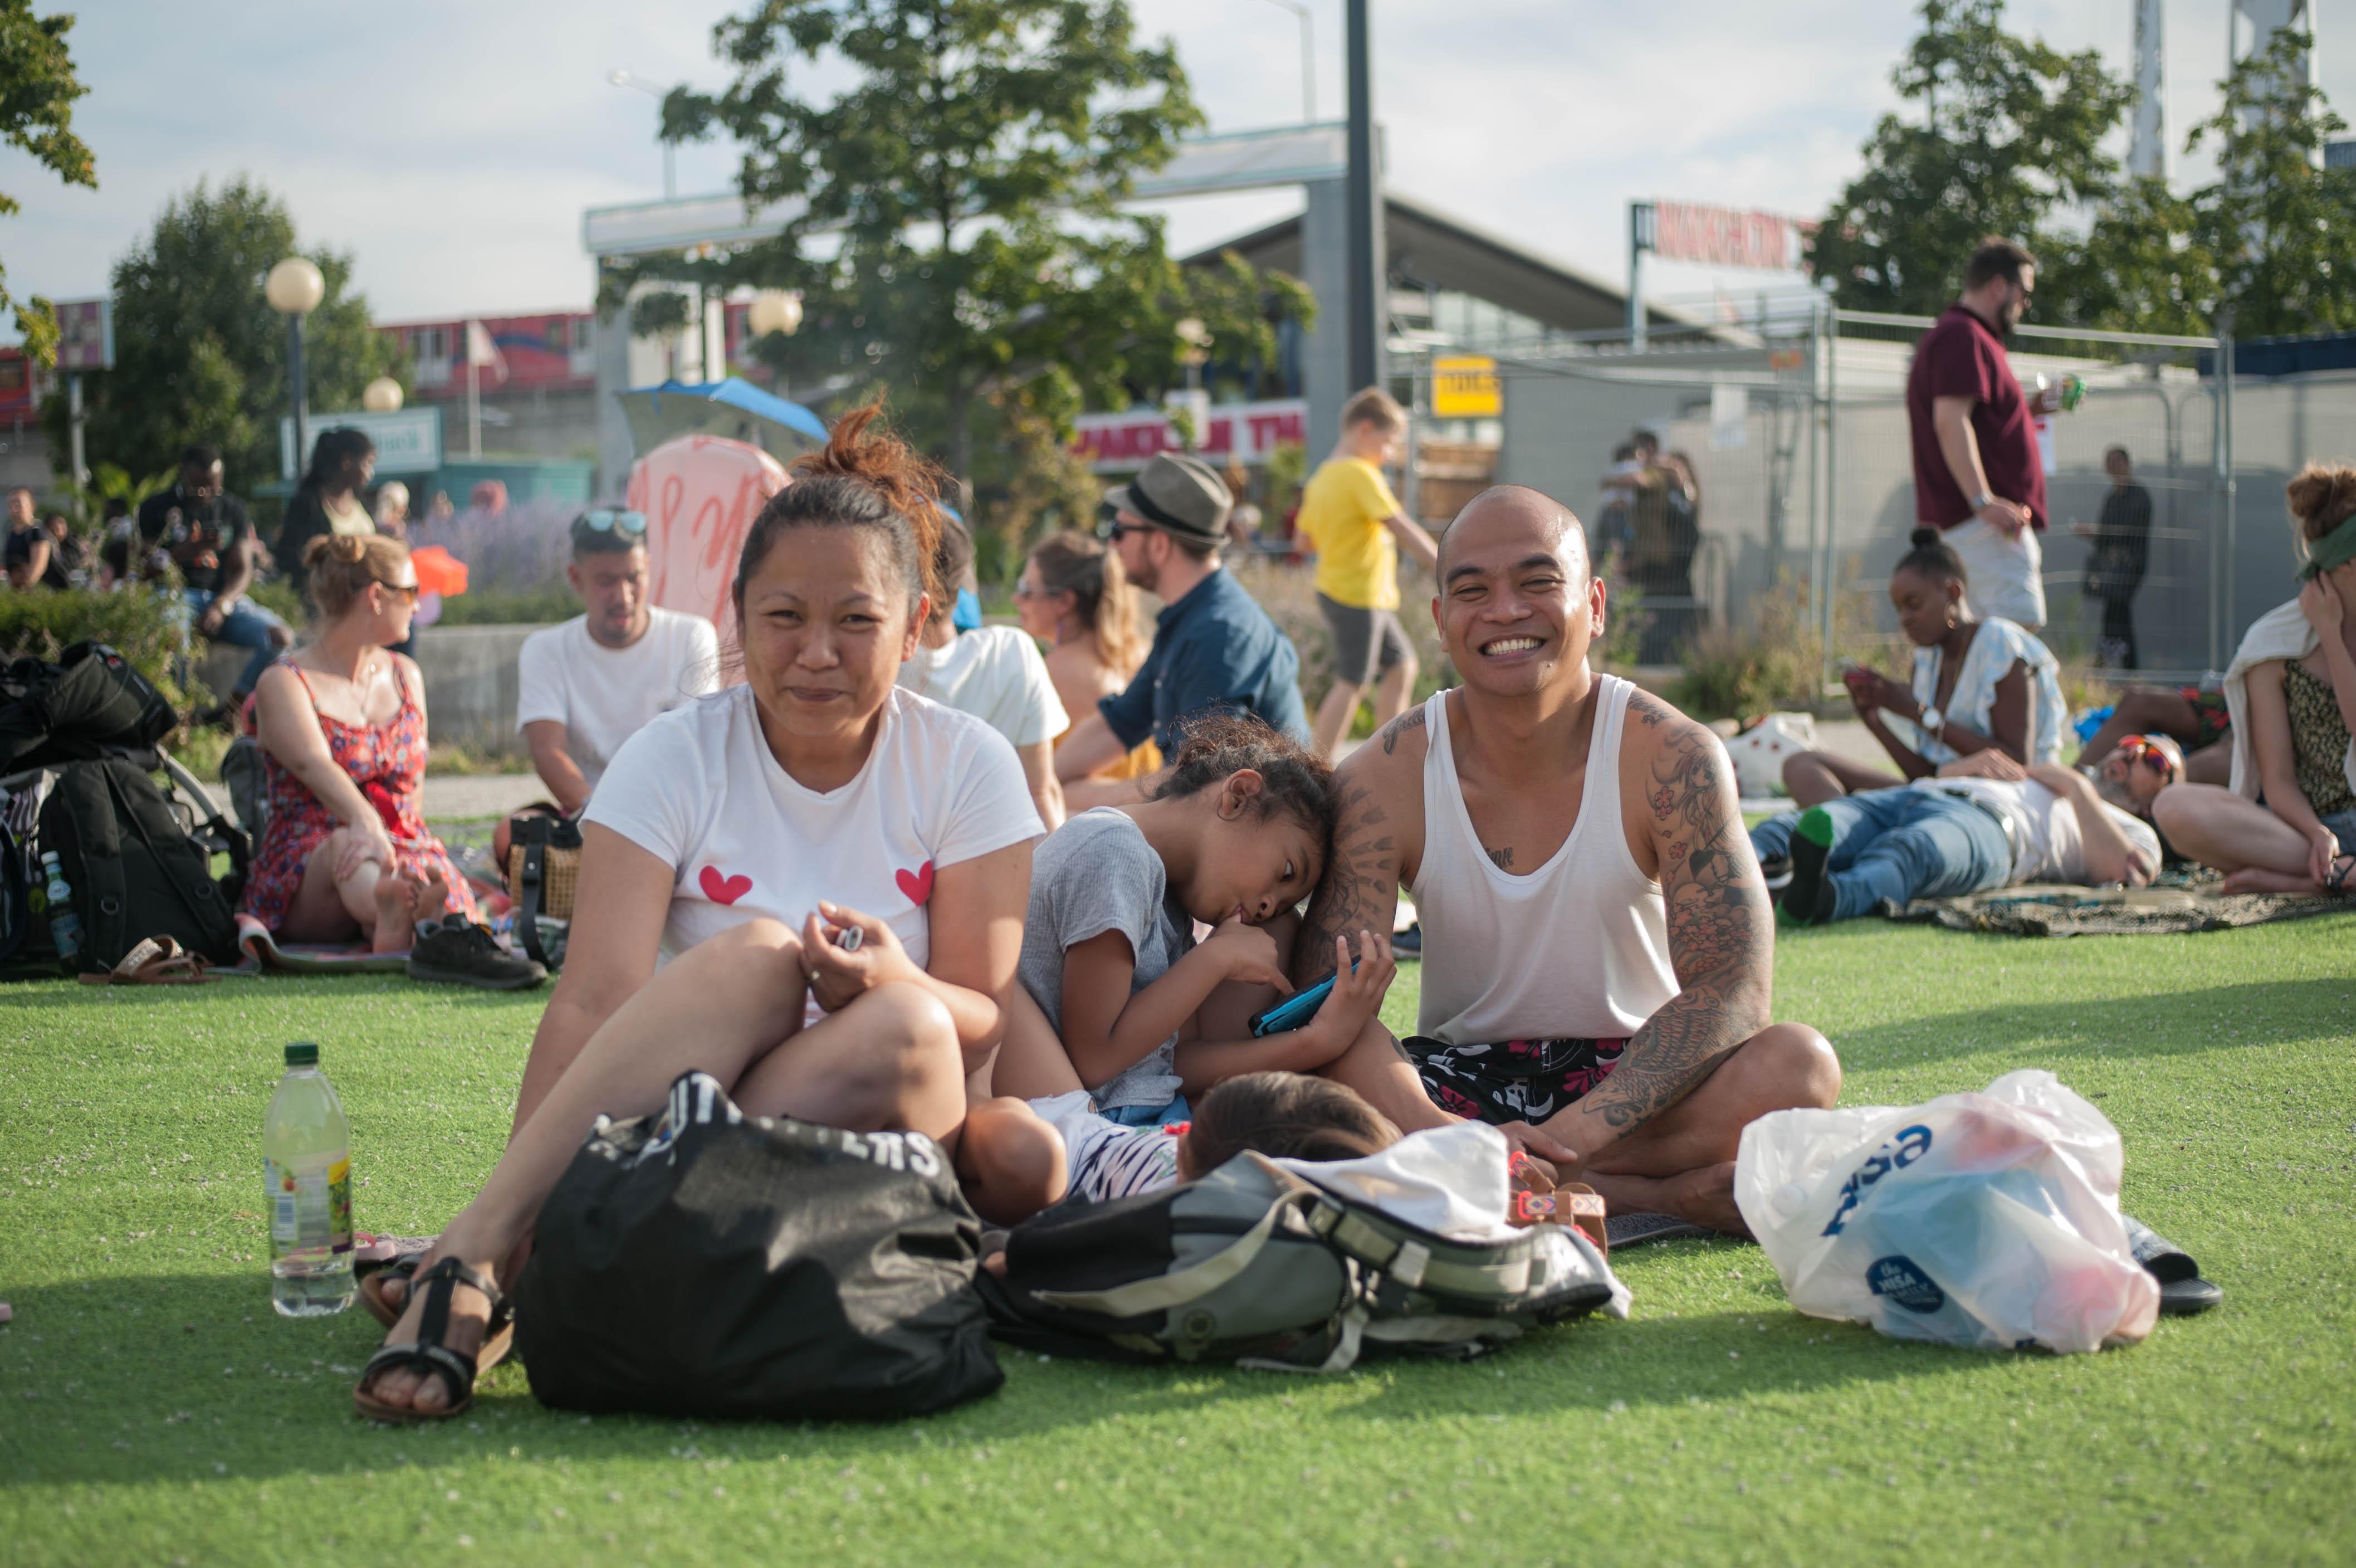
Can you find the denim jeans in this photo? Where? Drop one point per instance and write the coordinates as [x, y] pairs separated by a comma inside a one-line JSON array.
[[1899, 845], [247, 625]]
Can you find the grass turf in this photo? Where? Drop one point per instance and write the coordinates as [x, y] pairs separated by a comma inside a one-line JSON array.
[[154, 1409]]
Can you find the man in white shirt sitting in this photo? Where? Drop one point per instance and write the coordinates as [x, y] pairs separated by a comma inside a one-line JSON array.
[[1983, 821], [592, 683]]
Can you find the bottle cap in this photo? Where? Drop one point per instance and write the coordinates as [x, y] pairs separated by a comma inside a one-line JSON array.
[[302, 1053]]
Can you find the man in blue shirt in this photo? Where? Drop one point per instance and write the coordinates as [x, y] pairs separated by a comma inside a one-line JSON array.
[[1214, 646]]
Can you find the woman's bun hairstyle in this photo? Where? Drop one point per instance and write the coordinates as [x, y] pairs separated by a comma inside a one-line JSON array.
[[2322, 498], [1930, 557], [862, 479], [342, 565]]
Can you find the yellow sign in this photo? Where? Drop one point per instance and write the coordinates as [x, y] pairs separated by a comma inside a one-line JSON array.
[[1467, 387]]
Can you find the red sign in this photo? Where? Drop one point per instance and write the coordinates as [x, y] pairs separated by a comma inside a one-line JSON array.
[[1722, 237], [1246, 432]]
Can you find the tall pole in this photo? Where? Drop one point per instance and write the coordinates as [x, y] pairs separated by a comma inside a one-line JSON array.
[[1364, 205], [298, 389], [474, 404], [73, 428]]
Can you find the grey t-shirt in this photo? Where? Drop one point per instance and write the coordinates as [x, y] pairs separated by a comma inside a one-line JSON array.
[[1097, 873]]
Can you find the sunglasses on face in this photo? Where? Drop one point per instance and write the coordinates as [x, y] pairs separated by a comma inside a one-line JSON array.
[[2140, 748], [1025, 591], [406, 590], [1112, 530], [629, 527]]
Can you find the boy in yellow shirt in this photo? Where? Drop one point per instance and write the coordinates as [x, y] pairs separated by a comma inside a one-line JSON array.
[[1348, 512]]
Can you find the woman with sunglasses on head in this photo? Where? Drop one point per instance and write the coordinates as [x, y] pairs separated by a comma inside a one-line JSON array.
[[1074, 596], [2287, 823], [341, 722]]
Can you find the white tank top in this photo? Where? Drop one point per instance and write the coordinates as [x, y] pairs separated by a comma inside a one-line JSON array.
[[1577, 949]]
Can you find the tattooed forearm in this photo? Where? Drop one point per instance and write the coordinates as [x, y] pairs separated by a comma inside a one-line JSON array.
[[1360, 888], [1722, 935]]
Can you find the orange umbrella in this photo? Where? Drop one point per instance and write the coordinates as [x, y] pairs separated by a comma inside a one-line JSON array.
[[438, 571]]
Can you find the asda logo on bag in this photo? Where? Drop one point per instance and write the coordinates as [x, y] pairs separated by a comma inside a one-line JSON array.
[[1900, 1280], [1910, 1145]]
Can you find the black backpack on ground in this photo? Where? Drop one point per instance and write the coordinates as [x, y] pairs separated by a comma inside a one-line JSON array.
[[92, 704], [138, 859], [701, 1263]]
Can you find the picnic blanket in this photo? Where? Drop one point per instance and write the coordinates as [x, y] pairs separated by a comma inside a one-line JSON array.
[[2176, 903], [265, 953]]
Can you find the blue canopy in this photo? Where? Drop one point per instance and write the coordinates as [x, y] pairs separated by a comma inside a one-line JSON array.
[[732, 408]]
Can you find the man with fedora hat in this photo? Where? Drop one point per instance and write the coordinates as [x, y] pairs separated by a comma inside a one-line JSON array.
[[1213, 647]]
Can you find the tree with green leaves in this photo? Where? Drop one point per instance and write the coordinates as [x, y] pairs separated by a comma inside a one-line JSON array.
[[2011, 131], [38, 88], [958, 230], [2281, 227], [200, 356]]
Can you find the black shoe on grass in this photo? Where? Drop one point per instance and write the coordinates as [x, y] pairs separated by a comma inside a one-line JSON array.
[[451, 952], [1808, 900]]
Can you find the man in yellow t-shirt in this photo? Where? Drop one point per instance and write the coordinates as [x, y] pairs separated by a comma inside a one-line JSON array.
[[1349, 514]]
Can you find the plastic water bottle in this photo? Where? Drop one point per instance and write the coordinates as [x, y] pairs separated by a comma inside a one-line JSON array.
[[65, 926], [307, 1178]]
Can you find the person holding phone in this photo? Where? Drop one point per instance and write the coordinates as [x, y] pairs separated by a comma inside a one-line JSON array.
[[1977, 684]]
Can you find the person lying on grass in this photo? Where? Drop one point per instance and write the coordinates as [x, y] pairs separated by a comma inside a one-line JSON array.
[[1120, 1000], [1598, 953], [1984, 822], [750, 837], [2287, 824]]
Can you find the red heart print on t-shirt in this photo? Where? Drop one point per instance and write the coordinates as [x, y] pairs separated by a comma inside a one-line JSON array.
[[918, 883], [724, 889]]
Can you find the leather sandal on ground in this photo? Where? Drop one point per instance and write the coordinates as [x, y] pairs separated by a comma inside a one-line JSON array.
[[156, 960], [499, 1337], [2337, 883], [427, 1354]]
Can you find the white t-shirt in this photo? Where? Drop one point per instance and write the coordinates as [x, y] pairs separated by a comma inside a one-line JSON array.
[[996, 674], [2048, 845], [699, 789], [604, 696], [1106, 1159]]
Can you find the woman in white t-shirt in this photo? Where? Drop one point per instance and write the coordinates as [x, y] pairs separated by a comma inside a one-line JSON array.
[[739, 842], [993, 672]]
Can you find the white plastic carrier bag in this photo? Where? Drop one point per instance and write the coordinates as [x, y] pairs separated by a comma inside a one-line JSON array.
[[1988, 1219]]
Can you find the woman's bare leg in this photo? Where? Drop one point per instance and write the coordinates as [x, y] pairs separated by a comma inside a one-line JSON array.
[[1815, 777], [2211, 765], [326, 910], [731, 1007], [2142, 710], [2231, 832]]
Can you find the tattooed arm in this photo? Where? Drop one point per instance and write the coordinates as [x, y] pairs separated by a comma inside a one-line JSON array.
[[1722, 935], [1378, 842]]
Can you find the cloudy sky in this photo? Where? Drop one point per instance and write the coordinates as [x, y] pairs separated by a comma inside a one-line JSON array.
[[450, 145]]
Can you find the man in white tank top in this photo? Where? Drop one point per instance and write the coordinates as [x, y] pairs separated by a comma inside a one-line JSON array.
[[1598, 948]]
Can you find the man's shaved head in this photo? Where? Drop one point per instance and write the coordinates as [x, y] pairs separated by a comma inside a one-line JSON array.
[[1518, 507]]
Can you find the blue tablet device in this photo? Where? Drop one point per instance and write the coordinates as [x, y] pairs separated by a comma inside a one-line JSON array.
[[1295, 1010]]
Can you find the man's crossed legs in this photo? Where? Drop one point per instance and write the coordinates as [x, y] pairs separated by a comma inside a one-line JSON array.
[[1851, 855]]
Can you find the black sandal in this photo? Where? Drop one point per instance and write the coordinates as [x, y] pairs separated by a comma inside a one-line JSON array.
[[427, 1353], [2335, 884], [498, 1338]]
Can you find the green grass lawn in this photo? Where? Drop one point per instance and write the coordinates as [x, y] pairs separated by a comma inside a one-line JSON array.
[[154, 1409]]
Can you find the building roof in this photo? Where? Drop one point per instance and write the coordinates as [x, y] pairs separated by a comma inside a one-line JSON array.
[[1428, 247]]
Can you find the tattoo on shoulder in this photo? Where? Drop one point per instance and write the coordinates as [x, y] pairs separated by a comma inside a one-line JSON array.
[[1648, 709], [1412, 719]]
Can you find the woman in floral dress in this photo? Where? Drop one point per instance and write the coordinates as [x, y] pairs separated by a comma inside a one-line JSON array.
[[342, 727]]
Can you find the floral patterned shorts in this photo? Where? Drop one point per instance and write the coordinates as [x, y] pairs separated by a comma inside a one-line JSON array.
[[1517, 1080]]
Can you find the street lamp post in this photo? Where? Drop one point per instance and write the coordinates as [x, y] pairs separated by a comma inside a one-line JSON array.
[[1308, 59], [620, 78], [295, 289]]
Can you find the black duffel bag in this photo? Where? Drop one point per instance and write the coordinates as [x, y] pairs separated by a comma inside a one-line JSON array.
[[701, 1263]]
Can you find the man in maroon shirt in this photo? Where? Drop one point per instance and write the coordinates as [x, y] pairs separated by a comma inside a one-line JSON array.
[[1977, 474]]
